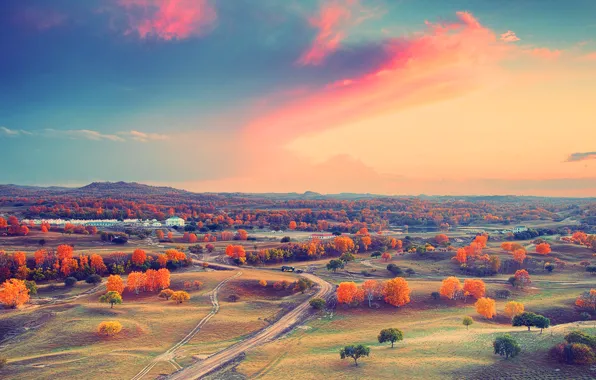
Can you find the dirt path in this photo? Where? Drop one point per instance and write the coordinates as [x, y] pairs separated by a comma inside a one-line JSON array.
[[170, 354], [289, 320]]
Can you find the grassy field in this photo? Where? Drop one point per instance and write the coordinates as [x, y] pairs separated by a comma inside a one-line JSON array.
[[59, 340]]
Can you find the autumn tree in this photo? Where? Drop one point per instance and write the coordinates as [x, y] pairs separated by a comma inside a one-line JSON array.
[[372, 289], [354, 352], [513, 308], [237, 253], [587, 300], [241, 235], [292, 225], [486, 307], [348, 292], [139, 257], [162, 260], [263, 283], [519, 255], [151, 280], [441, 239], [397, 292], [522, 278], [343, 244], [386, 256], [507, 246], [543, 248], [159, 235], [450, 288], [197, 284], [163, 278], [109, 328], [180, 296], [390, 335], [14, 293], [19, 258], [166, 293], [111, 297], [115, 284], [475, 288], [461, 256]]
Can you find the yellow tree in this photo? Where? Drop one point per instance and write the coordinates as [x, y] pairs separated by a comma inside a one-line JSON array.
[[513, 308], [450, 287], [486, 307], [14, 293], [397, 292]]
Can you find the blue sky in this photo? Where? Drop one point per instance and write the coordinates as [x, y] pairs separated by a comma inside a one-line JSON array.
[[78, 77]]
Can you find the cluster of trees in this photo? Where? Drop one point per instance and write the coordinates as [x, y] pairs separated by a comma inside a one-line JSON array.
[[212, 212], [63, 262], [587, 301], [395, 292], [452, 288], [578, 348], [13, 227]]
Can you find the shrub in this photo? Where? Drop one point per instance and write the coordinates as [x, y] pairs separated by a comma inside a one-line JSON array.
[[503, 294], [263, 283], [318, 303], [109, 328], [180, 296], [285, 239], [394, 269], [574, 353], [166, 293], [435, 295], [70, 281], [580, 337], [506, 346], [591, 269], [31, 286], [93, 279], [585, 316], [233, 297]]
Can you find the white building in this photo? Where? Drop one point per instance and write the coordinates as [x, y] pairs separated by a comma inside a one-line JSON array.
[[175, 221], [518, 229]]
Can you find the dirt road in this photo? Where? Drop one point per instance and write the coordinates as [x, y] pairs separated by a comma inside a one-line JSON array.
[[168, 356], [289, 320]]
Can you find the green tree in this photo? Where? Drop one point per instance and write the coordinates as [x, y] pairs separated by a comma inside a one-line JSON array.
[[581, 337], [112, 298], [32, 286], [390, 335], [525, 319], [93, 279], [317, 303], [335, 264], [394, 269], [506, 346], [541, 322], [303, 285], [354, 352], [467, 321]]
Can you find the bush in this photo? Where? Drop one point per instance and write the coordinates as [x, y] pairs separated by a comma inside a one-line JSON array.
[[574, 353], [318, 303], [435, 295], [375, 254], [585, 316], [394, 269], [580, 337], [503, 294], [591, 269], [285, 239], [506, 346], [233, 297], [93, 279], [70, 281], [109, 328], [32, 287]]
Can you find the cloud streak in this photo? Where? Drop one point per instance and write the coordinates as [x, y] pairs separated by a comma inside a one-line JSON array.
[[169, 19], [581, 156], [332, 22], [144, 137], [86, 134]]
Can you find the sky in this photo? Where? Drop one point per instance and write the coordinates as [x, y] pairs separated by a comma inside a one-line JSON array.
[[399, 97]]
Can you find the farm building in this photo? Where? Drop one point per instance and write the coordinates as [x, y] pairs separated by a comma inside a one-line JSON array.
[[175, 221], [322, 236]]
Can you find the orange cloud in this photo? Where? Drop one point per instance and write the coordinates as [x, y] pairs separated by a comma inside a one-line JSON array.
[[332, 22], [169, 19]]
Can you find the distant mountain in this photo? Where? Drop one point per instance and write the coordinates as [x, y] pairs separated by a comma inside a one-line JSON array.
[[126, 188]]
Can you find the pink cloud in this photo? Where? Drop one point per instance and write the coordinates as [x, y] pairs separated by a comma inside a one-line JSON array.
[[41, 19], [444, 61], [332, 22], [590, 56], [509, 36], [169, 19], [545, 53]]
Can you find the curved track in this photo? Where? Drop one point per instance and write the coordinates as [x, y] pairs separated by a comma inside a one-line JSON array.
[[204, 367]]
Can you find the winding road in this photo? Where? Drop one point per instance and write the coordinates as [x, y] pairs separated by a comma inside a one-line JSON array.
[[289, 320], [168, 356]]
